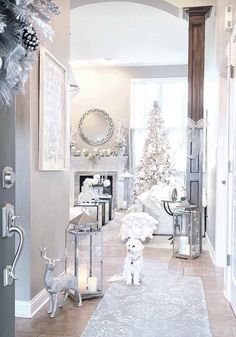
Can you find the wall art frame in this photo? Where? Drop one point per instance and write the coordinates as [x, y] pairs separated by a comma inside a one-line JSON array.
[[52, 113]]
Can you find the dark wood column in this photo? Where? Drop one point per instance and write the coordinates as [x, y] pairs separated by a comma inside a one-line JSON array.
[[196, 60]]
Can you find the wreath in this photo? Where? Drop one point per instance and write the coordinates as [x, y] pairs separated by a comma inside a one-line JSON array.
[[23, 25]]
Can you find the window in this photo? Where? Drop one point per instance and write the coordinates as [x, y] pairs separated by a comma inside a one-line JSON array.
[[171, 94]]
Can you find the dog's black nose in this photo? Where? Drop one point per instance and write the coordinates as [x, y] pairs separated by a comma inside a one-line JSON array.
[[131, 262]]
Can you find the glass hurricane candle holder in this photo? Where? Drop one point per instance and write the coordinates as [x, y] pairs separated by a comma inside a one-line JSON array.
[[84, 255], [186, 233]]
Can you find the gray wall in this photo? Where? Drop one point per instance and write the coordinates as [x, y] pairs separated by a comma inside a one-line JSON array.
[[210, 106], [42, 197], [222, 36], [109, 88], [23, 195]]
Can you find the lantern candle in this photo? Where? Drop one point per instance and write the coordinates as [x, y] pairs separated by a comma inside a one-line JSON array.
[[187, 252], [183, 242], [92, 284], [83, 278]]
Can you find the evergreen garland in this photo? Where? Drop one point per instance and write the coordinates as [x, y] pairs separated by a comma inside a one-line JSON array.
[[23, 23]]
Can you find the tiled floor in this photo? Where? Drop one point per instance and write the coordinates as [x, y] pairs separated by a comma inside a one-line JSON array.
[[71, 320]]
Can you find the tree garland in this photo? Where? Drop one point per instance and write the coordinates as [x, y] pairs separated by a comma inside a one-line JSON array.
[[23, 23]]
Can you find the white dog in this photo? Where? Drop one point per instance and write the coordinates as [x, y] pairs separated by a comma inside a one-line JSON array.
[[133, 262]]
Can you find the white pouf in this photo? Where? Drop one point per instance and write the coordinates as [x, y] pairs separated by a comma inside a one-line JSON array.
[[138, 225]]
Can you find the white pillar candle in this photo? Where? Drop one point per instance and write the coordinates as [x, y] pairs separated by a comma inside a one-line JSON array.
[[92, 284], [83, 278], [187, 249], [183, 242]]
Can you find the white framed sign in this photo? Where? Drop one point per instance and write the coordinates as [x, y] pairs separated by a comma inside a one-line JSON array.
[[52, 113]]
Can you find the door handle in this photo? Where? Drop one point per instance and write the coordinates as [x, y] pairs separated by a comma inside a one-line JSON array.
[[8, 229]]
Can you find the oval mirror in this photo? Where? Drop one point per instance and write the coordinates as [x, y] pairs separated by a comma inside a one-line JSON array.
[[96, 127]]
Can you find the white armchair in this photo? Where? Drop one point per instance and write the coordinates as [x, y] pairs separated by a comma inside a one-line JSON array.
[[151, 203]]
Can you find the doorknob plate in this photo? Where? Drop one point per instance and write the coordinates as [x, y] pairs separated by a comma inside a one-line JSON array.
[[7, 278], [7, 214], [8, 229], [8, 177]]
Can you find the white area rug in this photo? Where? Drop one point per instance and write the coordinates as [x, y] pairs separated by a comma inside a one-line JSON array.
[[167, 306]]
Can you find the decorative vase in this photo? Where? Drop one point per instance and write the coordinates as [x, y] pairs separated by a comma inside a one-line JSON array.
[[121, 150], [174, 194]]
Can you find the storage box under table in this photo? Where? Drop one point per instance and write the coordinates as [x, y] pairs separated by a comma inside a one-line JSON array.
[[105, 211], [111, 205]]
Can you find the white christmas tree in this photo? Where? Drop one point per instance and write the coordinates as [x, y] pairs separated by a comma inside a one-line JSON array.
[[156, 165]]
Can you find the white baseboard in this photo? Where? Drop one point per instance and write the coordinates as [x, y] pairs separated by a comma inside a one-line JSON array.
[[211, 249], [27, 309]]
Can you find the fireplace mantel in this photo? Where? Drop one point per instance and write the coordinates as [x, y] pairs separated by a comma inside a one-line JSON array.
[[104, 164]]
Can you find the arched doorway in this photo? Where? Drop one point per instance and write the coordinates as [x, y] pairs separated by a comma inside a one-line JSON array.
[[160, 4]]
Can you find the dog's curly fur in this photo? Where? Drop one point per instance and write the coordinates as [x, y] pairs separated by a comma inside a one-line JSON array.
[[133, 262]]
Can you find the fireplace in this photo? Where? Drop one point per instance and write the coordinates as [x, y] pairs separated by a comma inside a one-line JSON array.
[[112, 167], [106, 190], [79, 178]]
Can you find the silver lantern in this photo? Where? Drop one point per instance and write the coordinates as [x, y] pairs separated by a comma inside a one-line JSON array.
[[84, 255], [126, 191], [186, 233]]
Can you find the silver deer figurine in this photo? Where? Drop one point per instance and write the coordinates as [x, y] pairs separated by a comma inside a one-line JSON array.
[[57, 285]]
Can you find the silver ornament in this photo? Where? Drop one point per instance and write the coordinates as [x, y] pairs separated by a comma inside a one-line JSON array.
[[2, 27], [1, 63]]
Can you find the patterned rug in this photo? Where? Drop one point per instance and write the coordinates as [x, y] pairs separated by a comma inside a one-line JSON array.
[[167, 306]]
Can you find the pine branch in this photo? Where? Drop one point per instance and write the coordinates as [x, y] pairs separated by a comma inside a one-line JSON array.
[[15, 16]]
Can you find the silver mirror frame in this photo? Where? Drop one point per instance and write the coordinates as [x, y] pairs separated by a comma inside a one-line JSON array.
[[109, 122]]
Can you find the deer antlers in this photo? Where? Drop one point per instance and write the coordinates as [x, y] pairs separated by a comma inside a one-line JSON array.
[[43, 253]]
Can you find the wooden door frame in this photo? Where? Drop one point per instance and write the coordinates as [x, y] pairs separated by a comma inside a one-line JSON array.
[[222, 181], [7, 245], [228, 270], [197, 17]]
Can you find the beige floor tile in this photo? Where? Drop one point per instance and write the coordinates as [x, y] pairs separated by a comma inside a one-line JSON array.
[[111, 269], [213, 282], [234, 332], [200, 271], [222, 331], [25, 334], [43, 335]]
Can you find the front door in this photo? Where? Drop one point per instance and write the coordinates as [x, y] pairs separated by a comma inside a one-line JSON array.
[[7, 196], [232, 176]]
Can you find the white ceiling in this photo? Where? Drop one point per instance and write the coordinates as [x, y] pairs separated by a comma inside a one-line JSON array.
[[191, 3], [119, 33]]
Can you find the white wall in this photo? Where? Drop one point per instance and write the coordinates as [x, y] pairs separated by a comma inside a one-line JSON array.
[[217, 137], [109, 88]]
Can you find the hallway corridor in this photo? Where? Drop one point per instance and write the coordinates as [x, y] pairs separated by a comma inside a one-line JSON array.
[[70, 321]]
